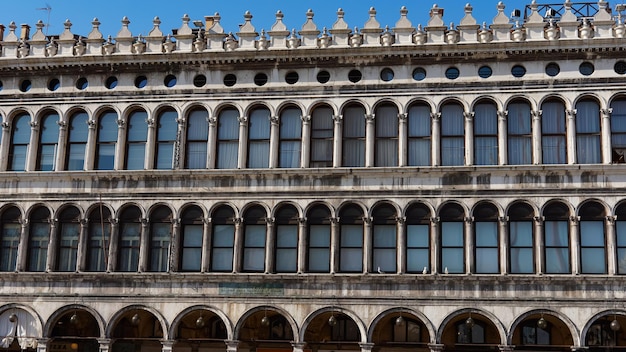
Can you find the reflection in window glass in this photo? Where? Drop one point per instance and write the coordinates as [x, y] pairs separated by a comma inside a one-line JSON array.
[[419, 126], [588, 149], [192, 229], [353, 148], [48, 142], [160, 237], [20, 138], [519, 136], [227, 139], [38, 239], [452, 135], [259, 138], [107, 141], [290, 138], [322, 131], [386, 147], [197, 136], [318, 219], [223, 239], [129, 239], [78, 132], [485, 134], [137, 134], [553, 133], [167, 128], [11, 233]]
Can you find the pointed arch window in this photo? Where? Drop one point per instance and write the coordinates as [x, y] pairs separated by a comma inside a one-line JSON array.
[[286, 255], [255, 235], [48, 142], [290, 138], [38, 239], [386, 146], [419, 135], [129, 239], [351, 239], [318, 220], [452, 239], [11, 233], [322, 132], [452, 135], [137, 135], [418, 238], [98, 239], [160, 238], [192, 233], [167, 131], [353, 136], [227, 139], [78, 131], [519, 133], [485, 133], [557, 238], [553, 132], [259, 138], [588, 149], [223, 239], [197, 139], [107, 141], [385, 238], [486, 239], [592, 238], [20, 138], [521, 239], [69, 233]]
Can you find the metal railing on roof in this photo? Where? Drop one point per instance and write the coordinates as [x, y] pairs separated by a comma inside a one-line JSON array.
[[582, 10]]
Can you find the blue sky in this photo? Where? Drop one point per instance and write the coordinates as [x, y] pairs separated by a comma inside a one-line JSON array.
[[141, 13]]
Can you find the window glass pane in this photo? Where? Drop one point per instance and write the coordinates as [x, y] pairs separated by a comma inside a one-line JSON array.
[[351, 235], [521, 247], [384, 256], [68, 246], [227, 139], [166, 139], [519, 133], [159, 246], [486, 134], [592, 233], [386, 147], [107, 139], [76, 156], [319, 248], [419, 131], [19, 143], [259, 138], [452, 252], [557, 247], [136, 143], [553, 142], [522, 261], [197, 137], [8, 250], [222, 254], [254, 248], [452, 131], [486, 234], [322, 129], [38, 246], [452, 234], [192, 247], [129, 246], [98, 245], [48, 142], [78, 132], [351, 254], [354, 136], [79, 129]]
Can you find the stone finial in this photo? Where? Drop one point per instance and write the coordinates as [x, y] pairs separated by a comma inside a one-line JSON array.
[[109, 47], [247, 27], [38, 41], [309, 25], [231, 42], [372, 23], [309, 31], [247, 34], [356, 39], [534, 16], [184, 28], [278, 25], [156, 30], [67, 34], [94, 39], [124, 39], [39, 35], [371, 30], [404, 29], [262, 43], [324, 40], [66, 40], [501, 18], [124, 31], [436, 17], [340, 23], [216, 28], [485, 35], [11, 36], [603, 21], [293, 41], [468, 28], [184, 35], [154, 40], [340, 31], [386, 39], [95, 30], [278, 33], [468, 19], [168, 45], [215, 33], [501, 27]]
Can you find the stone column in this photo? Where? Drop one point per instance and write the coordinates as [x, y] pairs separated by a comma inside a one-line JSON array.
[[113, 246], [536, 131], [401, 245], [334, 245], [503, 146], [337, 138], [303, 239], [434, 244], [22, 247], [605, 136], [144, 245], [52, 246], [175, 246], [238, 243], [469, 137], [539, 247], [150, 142], [231, 345], [298, 346], [305, 150], [81, 255], [436, 138], [243, 142], [570, 132], [211, 154], [367, 245], [120, 146], [167, 345], [4, 146], [105, 345], [370, 140], [574, 245], [366, 347], [207, 239], [403, 140], [33, 147], [92, 138], [611, 244], [42, 345], [274, 141], [270, 240], [504, 244], [180, 146], [469, 246]]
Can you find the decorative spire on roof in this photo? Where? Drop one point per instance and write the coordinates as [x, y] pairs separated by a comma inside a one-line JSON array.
[[340, 31], [278, 33], [404, 29], [247, 34], [309, 32]]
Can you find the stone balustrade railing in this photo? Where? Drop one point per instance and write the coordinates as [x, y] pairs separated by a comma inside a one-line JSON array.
[[215, 39]]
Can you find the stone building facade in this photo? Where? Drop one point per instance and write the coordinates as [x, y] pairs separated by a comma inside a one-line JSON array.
[[383, 189]]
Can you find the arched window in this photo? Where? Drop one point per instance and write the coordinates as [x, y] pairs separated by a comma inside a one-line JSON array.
[[38, 239], [385, 229], [588, 149], [254, 238], [98, 239], [553, 132], [197, 137], [48, 142], [486, 239], [353, 148], [322, 132], [223, 239], [129, 240], [592, 238], [318, 220], [485, 133], [419, 132], [227, 139], [556, 238], [11, 233], [452, 239], [521, 239], [137, 135], [20, 138], [386, 147], [620, 233], [618, 130], [68, 235], [470, 333], [259, 138], [519, 133], [107, 140], [418, 238], [452, 135], [286, 255], [192, 230], [160, 237], [351, 239], [167, 129], [78, 131], [290, 138]]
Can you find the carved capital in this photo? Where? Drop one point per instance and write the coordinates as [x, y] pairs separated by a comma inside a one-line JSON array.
[[370, 117], [62, 124], [121, 123], [503, 114], [5, 125], [468, 115], [243, 120], [180, 121], [571, 113], [435, 116], [337, 118], [274, 120], [91, 124], [400, 220], [145, 222], [34, 124], [150, 122], [403, 116], [306, 118], [606, 112], [435, 220], [212, 121], [536, 114]]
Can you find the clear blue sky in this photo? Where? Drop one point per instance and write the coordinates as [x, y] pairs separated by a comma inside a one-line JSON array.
[[141, 13]]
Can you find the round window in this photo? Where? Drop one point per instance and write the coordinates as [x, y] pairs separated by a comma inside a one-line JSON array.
[[111, 82], [354, 76], [586, 68], [452, 73], [260, 79], [620, 67], [82, 83], [419, 74], [291, 77], [323, 77], [169, 81], [199, 81], [552, 69], [25, 85], [1, 85], [485, 72], [518, 71], [141, 81], [230, 80], [54, 84], [386, 74]]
